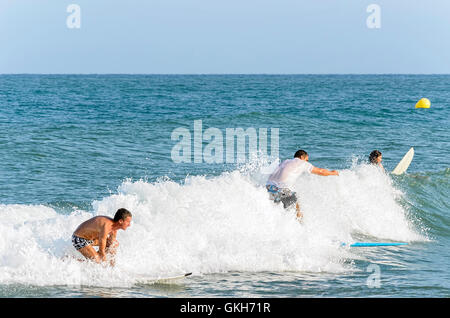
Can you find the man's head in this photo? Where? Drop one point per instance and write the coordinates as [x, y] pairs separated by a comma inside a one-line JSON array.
[[123, 218], [301, 154], [375, 157]]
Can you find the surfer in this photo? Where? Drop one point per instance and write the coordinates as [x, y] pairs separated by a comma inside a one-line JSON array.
[[281, 180], [375, 158], [100, 231]]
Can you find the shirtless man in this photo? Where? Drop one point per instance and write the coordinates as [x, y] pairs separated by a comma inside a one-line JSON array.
[[282, 179], [100, 231]]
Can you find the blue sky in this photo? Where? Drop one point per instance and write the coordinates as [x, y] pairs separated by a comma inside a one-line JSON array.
[[225, 37]]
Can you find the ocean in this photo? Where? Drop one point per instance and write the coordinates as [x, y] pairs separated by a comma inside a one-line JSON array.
[[77, 146]]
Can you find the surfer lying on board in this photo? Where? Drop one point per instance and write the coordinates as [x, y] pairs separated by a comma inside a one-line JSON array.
[[100, 231], [281, 180], [375, 158]]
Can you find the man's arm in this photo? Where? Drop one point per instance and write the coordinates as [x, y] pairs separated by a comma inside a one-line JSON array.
[[111, 243], [102, 238], [324, 172], [111, 239]]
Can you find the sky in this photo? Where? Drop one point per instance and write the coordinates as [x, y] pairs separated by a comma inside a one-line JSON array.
[[225, 37]]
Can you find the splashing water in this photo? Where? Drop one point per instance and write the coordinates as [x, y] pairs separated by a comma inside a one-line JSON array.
[[209, 225]]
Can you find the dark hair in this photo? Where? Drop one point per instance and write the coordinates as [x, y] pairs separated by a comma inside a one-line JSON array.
[[300, 153], [121, 214], [374, 155]]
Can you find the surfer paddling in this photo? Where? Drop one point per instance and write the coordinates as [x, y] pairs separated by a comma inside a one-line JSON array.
[[281, 180], [100, 231]]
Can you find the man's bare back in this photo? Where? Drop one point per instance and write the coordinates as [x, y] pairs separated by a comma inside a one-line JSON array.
[[92, 228], [100, 231]]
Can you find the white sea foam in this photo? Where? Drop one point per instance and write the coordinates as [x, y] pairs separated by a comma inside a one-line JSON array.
[[207, 225]]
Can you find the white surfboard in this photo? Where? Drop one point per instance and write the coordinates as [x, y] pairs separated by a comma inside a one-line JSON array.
[[404, 163], [163, 280]]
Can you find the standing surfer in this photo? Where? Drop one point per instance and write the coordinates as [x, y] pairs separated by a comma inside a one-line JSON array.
[[282, 179]]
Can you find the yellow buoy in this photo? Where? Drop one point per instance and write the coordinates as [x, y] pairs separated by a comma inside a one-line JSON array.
[[423, 103]]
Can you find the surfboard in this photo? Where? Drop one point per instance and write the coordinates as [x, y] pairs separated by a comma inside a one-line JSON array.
[[372, 244], [404, 163], [162, 280]]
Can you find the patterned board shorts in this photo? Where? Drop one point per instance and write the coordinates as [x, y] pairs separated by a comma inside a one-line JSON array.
[[79, 242], [284, 195]]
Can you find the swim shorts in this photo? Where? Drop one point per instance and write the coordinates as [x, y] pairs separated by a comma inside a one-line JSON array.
[[79, 242], [282, 195]]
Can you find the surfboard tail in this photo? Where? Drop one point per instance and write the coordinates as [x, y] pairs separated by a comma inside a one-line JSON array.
[[163, 280]]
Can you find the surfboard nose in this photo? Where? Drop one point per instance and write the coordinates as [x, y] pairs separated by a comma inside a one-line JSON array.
[[403, 165]]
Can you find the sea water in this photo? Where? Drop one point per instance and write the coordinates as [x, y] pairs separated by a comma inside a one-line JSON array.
[[77, 146]]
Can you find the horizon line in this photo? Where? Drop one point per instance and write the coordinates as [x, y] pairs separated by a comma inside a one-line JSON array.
[[215, 74]]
